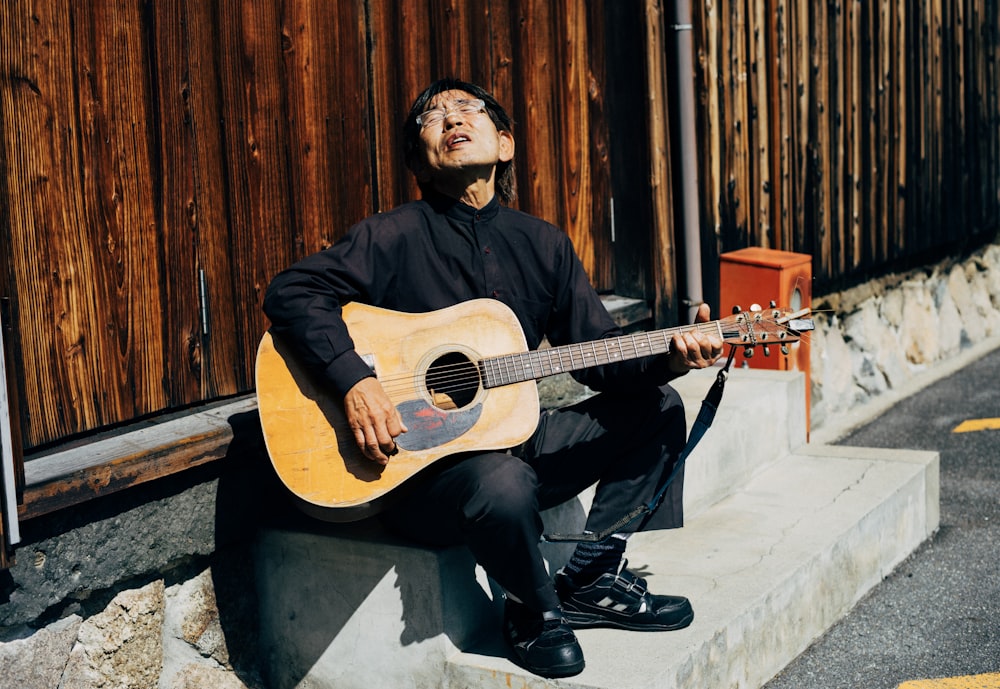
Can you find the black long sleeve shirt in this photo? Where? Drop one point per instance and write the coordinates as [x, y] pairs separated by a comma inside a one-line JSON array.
[[437, 252]]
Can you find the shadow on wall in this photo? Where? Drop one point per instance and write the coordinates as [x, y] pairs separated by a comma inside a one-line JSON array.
[[248, 497]]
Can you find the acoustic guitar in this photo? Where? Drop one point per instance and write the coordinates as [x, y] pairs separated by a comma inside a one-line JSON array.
[[462, 380]]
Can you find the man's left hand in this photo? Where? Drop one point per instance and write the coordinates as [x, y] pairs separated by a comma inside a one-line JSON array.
[[694, 348]]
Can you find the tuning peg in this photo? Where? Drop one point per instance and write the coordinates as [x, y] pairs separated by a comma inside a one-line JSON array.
[[737, 308], [784, 349], [767, 351], [774, 304], [755, 308], [748, 352]]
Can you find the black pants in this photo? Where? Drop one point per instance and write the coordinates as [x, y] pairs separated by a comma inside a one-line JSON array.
[[625, 442]]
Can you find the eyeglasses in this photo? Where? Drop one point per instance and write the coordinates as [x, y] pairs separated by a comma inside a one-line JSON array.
[[463, 106]]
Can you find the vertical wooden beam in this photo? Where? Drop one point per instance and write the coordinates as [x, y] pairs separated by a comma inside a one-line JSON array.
[[628, 109], [598, 135], [760, 87], [11, 461], [802, 200], [835, 68], [663, 249], [934, 125], [575, 174], [14, 76], [820, 114], [884, 189], [958, 153], [254, 143], [779, 96], [737, 130], [855, 131], [174, 180], [710, 102], [401, 61], [210, 213], [900, 132], [538, 111]]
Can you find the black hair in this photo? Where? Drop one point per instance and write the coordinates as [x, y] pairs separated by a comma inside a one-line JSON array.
[[506, 184]]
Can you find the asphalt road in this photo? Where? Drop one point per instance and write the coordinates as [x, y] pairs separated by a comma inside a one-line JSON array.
[[938, 613]]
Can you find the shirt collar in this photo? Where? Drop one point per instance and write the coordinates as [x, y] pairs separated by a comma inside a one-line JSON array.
[[460, 211]]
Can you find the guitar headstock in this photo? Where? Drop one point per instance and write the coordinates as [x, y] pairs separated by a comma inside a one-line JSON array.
[[764, 327]]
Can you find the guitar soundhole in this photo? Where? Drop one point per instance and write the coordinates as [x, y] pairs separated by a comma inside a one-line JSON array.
[[452, 381]]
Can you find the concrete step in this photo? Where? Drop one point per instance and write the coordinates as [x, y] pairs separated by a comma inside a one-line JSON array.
[[768, 570], [761, 419], [781, 539]]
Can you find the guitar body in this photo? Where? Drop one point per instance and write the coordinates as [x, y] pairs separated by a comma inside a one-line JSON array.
[[417, 358], [462, 380]]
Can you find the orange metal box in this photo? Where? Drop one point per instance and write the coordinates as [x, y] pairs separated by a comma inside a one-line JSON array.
[[760, 276]]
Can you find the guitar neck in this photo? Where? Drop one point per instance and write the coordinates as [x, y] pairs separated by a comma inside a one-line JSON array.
[[508, 369]]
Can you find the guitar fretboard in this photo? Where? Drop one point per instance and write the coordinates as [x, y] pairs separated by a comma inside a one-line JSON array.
[[509, 369]]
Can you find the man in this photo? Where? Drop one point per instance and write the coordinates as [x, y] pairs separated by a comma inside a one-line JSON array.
[[459, 243]]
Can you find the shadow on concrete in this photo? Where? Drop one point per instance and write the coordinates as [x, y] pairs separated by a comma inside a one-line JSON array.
[[300, 597]]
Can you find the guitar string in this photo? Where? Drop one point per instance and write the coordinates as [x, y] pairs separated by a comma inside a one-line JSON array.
[[469, 370], [459, 377], [460, 372]]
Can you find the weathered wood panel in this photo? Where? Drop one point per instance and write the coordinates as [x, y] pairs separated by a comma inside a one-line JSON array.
[[662, 246], [164, 160], [628, 111], [862, 133], [87, 270], [209, 211], [168, 126]]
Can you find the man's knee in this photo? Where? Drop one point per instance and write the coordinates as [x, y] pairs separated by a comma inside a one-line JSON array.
[[507, 489]]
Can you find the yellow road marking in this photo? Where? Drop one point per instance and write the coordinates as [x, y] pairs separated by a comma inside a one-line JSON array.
[[977, 425], [988, 681]]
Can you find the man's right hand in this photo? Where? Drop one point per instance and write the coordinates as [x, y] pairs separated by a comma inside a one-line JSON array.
[[373, 419]]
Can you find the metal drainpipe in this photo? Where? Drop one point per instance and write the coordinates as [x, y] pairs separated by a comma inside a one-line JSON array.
[[687, 131], [7, 467]]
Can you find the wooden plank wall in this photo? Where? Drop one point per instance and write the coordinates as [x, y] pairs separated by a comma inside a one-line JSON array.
[[161, 161], [864, 133]]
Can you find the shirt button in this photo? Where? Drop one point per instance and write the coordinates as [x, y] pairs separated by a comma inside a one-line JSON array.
[[487, 250]]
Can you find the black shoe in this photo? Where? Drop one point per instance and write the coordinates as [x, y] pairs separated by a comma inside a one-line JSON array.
[[621, 601], [542, 643]]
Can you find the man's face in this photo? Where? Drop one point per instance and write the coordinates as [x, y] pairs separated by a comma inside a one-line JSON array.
[[462, 142]]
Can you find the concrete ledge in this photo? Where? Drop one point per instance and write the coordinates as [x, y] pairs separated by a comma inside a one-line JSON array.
[[782, 539], [768, 570], [359, 593], [359, 609]]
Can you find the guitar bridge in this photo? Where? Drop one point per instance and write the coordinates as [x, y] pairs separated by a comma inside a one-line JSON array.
[[369, 360]]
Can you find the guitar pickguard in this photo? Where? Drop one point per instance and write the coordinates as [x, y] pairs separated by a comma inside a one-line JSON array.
[[432, 427]]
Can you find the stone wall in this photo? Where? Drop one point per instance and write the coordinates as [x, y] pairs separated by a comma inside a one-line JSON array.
[[154, 588], [891, 332]]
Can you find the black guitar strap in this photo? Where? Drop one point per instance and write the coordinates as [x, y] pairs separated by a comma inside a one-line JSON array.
[[701, 425]]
